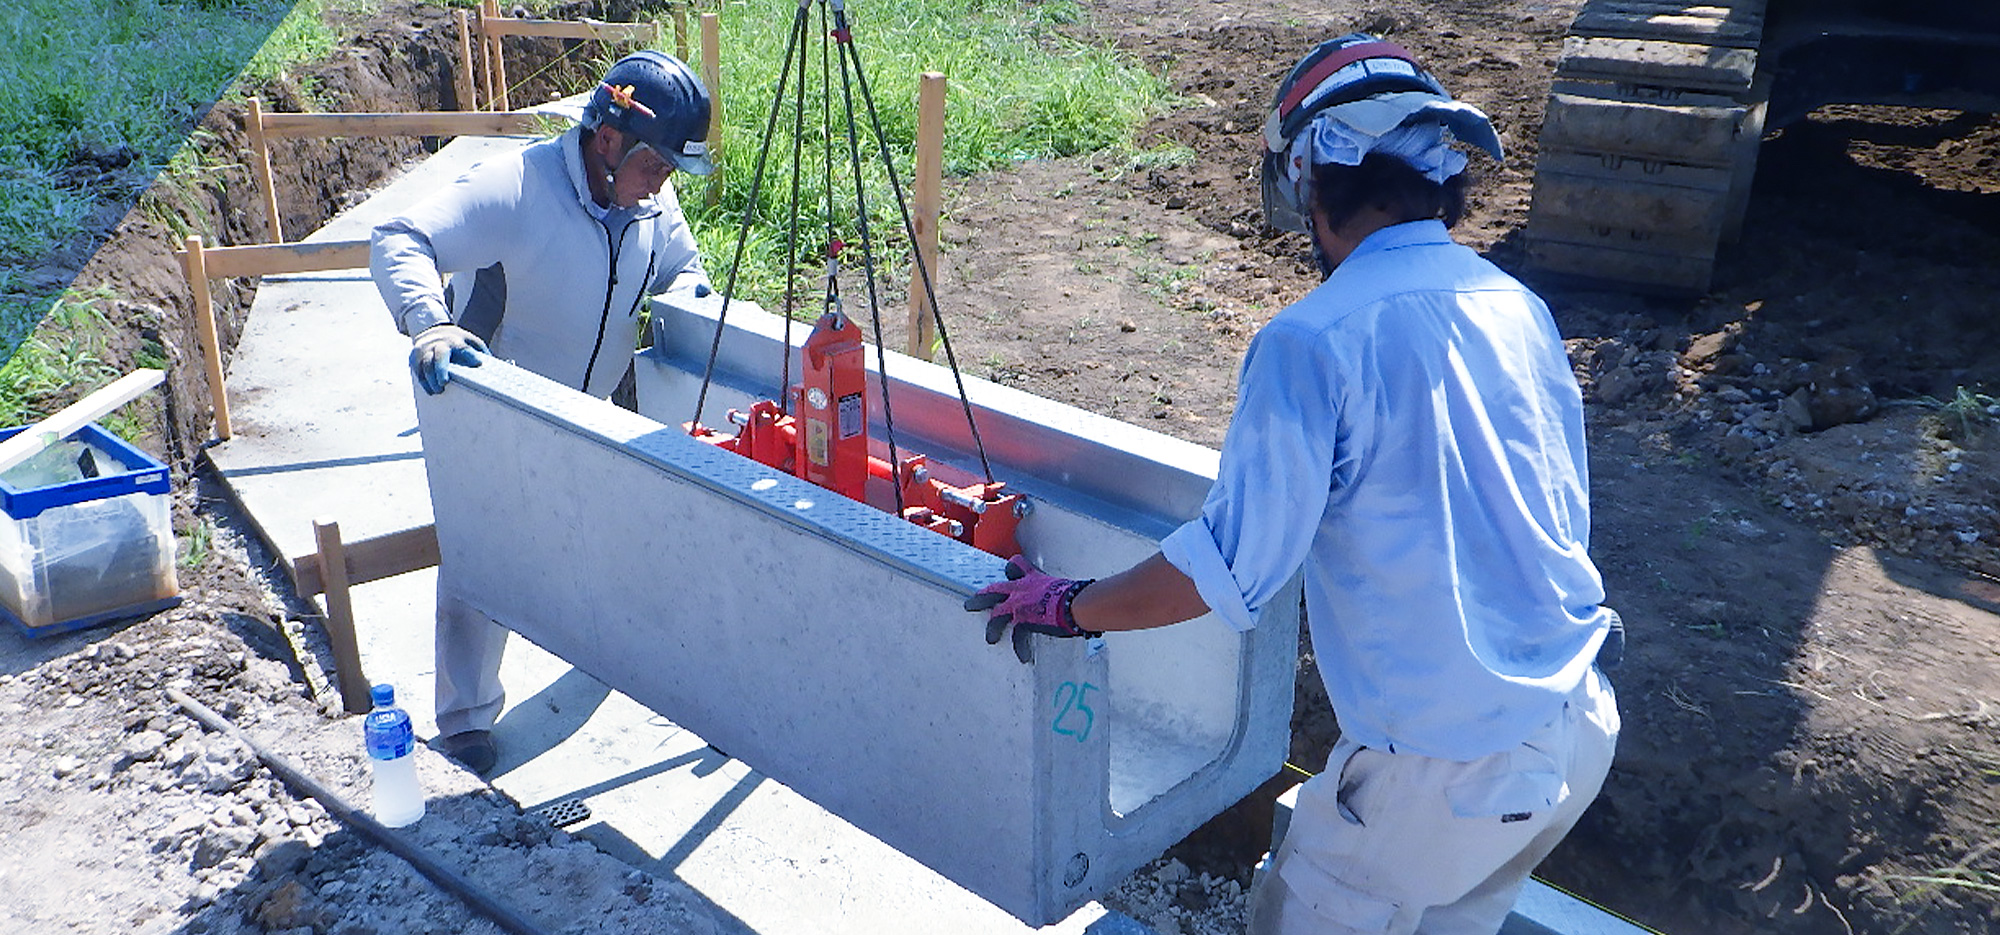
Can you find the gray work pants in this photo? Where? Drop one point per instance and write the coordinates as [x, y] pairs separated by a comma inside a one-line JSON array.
[[469, 645]]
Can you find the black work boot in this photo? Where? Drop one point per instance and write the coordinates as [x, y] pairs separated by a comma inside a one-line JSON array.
[[473, 749]]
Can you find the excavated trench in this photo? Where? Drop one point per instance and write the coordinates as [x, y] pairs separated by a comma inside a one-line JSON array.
[[1714, 539]]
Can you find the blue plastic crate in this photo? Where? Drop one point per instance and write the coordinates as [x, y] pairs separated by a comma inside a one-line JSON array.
[[90, 551], [142, 474]]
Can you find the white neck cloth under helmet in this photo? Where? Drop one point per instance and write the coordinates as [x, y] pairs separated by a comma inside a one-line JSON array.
[[1412, 126]]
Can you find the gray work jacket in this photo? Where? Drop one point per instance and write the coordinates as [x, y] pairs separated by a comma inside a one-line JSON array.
[[548, 279]]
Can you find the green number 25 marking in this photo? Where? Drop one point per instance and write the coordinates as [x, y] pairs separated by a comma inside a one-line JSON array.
[[1071, 697]]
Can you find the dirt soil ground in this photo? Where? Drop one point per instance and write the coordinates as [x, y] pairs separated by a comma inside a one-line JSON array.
[[1803, 541]]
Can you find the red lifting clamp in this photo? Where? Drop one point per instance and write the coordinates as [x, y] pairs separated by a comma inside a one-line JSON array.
[[826, 442], [831, 400]]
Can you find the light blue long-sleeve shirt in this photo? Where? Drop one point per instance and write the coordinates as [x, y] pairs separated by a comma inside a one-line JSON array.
[[1411, 434]]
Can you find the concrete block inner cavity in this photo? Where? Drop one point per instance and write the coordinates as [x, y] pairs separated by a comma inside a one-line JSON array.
[[821, 640]]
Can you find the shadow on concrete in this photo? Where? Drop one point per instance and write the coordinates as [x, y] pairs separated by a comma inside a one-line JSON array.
[[708, 823], [629, 777], [325, 463], [614, 842], [547, 718]]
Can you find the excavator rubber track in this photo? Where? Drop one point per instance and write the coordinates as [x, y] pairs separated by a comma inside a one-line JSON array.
[[1649, 142]]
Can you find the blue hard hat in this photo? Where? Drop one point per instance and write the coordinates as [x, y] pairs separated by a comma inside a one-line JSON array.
[[656, 99]]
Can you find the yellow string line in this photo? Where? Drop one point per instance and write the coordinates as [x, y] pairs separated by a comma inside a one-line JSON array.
[[1601, 908]]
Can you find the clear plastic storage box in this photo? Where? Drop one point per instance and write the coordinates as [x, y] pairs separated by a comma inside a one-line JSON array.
[[87, 538]]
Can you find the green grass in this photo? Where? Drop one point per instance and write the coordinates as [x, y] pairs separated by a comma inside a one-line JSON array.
[[1949, 878], [133, 73], [63, 360], [36, 212], [123, 78], [194, 544], [302, 36], [1965, 414], [1017, 89]]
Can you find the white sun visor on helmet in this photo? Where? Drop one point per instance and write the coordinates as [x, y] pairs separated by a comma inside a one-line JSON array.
[[1378, 115]]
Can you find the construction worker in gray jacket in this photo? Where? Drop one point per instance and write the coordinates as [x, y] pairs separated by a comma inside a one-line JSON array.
[[544, 255]]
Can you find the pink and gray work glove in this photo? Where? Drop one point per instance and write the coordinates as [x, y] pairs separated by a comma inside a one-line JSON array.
[[437, 345], [1033, 601]]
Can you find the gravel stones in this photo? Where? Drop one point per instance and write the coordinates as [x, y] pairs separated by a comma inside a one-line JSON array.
[[1173, 900]]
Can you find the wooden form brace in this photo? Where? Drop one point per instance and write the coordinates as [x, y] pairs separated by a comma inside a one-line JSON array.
[[481, 80], [264, 127], [200, 264], [483, 85], [338, 566]]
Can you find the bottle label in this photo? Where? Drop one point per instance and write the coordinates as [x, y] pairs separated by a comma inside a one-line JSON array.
[[389, 735]]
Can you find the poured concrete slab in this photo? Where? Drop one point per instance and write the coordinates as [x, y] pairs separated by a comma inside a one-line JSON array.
[[319, 390]]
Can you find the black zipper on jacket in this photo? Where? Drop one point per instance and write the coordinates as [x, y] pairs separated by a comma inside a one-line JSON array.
[[610, 288]]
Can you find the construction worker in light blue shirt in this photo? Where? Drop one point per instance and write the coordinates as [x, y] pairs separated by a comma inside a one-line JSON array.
[[1409, 437]]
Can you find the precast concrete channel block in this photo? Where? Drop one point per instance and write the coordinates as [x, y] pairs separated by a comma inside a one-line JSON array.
[[822, 640]]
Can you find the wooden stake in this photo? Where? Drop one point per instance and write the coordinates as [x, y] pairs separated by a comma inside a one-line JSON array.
[[499, 58], [485, 55], [681, 31], [711, 75], [925, 206], [196, 270], [260, 164], [340, 617], [466, 79]]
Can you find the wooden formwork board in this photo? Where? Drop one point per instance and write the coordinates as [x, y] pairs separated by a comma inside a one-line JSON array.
[[488, 89]]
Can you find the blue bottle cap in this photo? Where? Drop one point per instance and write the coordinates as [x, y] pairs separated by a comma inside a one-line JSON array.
[[383, 695]]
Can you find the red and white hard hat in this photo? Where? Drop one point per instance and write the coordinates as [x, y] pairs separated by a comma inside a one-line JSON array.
[[1368, 90]]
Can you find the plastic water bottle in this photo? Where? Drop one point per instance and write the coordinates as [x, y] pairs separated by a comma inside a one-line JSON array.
[[391, 745]]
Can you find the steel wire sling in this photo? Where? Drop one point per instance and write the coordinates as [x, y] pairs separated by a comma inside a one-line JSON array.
[[853, 78]]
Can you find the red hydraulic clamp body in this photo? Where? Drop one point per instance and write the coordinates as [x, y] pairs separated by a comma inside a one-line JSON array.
[[831, 400], [825, 440]]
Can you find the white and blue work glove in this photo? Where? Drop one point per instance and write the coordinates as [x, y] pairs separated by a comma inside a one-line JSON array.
[[439, 345]]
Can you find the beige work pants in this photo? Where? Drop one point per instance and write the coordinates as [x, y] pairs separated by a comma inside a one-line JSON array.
[[1388, 844]]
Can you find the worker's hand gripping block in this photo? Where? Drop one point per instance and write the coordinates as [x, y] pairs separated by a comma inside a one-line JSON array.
[[822, 641]]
